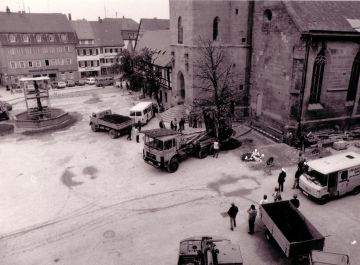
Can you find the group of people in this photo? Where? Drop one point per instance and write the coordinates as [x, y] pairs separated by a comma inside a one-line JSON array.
[[252, 212], [137, 131], [174, 125]]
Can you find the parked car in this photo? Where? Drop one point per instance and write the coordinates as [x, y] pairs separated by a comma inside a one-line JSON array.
[[70, 83], [80, 82], [90, 81], [61, 84], [5, 105]]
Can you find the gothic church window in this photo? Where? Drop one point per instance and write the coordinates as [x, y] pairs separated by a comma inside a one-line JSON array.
[[317, 77], [180, 31], [216, 28], [354, 79]]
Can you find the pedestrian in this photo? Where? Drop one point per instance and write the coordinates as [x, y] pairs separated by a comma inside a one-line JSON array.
[[137, 135], [129, 134], [161, 124], [139, 125], [263, 200], [172, 125], [200, 122], [281, 179], [295, 201], [301, 161], [190, 118], [277, 195], [216, 148], [252, 216], [181, 124], [232, 212], [298, 173], [175, 124]]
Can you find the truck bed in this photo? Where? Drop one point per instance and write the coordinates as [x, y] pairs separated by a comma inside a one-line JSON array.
[[290, 229], [115, 118]]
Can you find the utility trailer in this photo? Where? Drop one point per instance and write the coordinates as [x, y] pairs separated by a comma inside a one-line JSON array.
[[209, 251], [115, 124], [327, 258], [290, 229]]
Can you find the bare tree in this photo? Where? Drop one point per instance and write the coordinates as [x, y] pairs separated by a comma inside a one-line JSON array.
[[215, 77]]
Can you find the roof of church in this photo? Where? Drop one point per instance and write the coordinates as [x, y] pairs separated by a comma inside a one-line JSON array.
[[154, 24], [34, 22], [158, 41], [335, 16]]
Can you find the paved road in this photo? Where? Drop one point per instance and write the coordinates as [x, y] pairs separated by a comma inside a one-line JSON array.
[[78, 197]]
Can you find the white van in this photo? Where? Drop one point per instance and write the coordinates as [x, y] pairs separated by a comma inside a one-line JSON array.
[[143, 112], [332, 176]]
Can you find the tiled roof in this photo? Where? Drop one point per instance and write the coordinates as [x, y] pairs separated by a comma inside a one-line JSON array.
[[154, 24], [125, 23], [337, 16], [34, 22], [107, 34], [158, 41], [83, 29]]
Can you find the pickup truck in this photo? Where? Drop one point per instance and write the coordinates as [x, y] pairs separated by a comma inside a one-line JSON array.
[[115, 124], [290, 229]]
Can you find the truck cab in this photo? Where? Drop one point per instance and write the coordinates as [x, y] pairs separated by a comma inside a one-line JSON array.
[[332, 176]]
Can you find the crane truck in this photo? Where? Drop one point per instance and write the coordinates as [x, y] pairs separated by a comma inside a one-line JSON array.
[[165, 148]]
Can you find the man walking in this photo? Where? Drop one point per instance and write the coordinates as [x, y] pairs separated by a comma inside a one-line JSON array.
[[232, 212], [137, 136], [297, 177], [252, 216], [281, 179]]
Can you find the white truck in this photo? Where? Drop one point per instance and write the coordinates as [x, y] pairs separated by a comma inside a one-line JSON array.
[[331, 176]]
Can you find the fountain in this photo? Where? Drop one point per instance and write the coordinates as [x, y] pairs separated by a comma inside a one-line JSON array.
[[39, 116]]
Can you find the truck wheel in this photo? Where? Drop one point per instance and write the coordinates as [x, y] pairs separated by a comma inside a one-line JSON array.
[[94, 127], [324, 199], [113, 134], [173, 165], [202, 153], [356, 190]]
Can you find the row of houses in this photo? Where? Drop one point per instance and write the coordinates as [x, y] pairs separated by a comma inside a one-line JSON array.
[[296, 63], [53, 45]]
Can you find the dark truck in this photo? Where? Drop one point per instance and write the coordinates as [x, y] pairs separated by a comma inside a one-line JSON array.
[[115, 124], [290, 229], [165, 148], [209, 251]]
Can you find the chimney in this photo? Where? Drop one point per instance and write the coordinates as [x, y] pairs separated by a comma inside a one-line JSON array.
[[7, 10], [69, 15]]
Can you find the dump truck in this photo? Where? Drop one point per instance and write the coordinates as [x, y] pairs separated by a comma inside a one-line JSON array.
[[209, 251], [115, 124], [290, 229], [165, 148]]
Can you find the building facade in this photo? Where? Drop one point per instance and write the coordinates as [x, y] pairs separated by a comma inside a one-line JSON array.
[[195, 23], [33, 45], [296, 63], [99, 44]]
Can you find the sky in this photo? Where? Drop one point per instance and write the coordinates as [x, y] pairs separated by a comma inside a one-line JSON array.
[[92, 9]]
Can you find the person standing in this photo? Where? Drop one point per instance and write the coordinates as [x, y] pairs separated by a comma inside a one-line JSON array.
[[175, 124], [139, 125], [263, 200], [252, 216], [137, 136], [194, 122], [281, 179], [129, 134], [216, 148], [298, 173], [172, 125], [232, 212], [277, 195], [295, 201], [161, 124]]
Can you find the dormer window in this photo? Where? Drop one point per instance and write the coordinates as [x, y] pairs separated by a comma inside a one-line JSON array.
[[63, 37], [26, 38], [38, 38], [12, 38], [51, 38]]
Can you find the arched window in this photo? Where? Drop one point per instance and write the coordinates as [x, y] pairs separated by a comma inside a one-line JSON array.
[[180, 31], [317, 77], [216, 28], [354, 79]]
